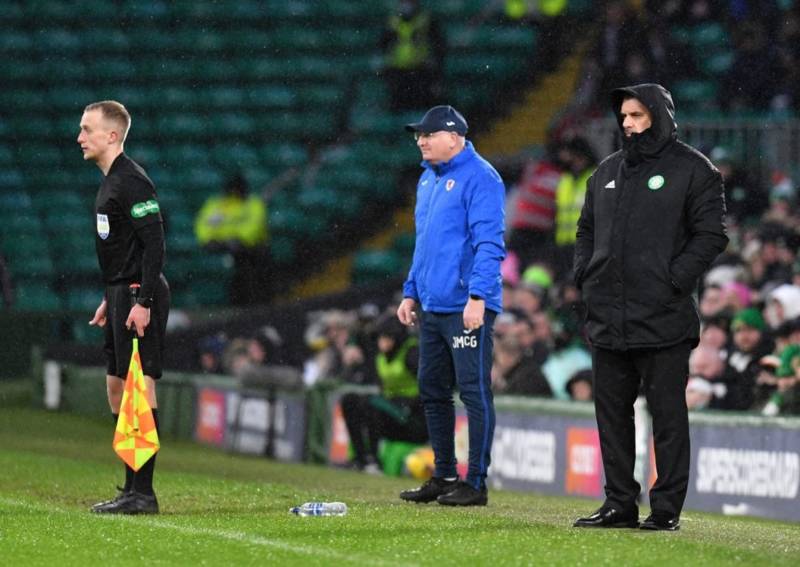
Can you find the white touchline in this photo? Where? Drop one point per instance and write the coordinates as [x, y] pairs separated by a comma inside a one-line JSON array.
[[231, 535]]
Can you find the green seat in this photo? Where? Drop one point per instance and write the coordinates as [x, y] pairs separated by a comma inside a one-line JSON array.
[[485, 66], [225, 97], [18, 221], [36, 264], [107, 40], [202, 179], [81, 264], [11, 179], [188, 125], [36, 296], [59, 41], [322, 95], [21, 99], [71, 201], [113, 69], [71, 99], [85, 334], [7, 157], [271, 96], [710, 35], [15, 41], [297, 224], [215, 70], [185, 155], [204, 293], [717, 64], [404, 243], [283, 155], [83, 298], [282, 250], [14, 202], [695, 91], [40, 155], [372, 266], [235, 156], [233, 124], [59, 69]]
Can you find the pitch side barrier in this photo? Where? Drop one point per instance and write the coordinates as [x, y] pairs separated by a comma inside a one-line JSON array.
[[742, 464]]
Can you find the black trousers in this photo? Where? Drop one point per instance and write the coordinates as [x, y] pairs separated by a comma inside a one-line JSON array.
[[617, 378], [370, 418]]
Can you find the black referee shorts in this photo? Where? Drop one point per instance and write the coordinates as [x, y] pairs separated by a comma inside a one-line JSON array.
[[119, 340]]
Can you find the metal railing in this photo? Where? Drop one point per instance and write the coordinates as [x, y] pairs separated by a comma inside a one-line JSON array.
[[761, 146]]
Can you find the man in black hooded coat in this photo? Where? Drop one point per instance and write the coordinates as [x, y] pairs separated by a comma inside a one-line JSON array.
[[652, 223]]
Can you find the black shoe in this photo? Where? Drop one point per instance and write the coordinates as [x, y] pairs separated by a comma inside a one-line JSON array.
[[464, 495], [661, 522], [607, 517], [429, 491], [97, 507], [130, 503]]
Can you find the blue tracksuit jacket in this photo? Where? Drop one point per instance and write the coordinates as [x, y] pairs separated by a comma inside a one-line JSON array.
[[460, 221]]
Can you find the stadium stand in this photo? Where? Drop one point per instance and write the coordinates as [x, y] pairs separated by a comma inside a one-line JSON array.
[[261, 87]]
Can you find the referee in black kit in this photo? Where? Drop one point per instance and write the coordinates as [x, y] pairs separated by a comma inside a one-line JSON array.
[[130, 249]]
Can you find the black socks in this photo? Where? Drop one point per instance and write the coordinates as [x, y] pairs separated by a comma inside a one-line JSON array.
[[143, 480]]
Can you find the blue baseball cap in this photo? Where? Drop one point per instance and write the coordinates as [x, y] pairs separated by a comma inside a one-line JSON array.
[[440, 118]]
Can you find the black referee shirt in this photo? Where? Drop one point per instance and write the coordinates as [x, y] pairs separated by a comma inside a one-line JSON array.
[[130, 231]]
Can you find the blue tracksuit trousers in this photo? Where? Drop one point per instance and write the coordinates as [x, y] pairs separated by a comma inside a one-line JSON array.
[[450, 356]]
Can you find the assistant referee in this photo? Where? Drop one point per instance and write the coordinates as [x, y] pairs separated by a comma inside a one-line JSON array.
[[130, 249]]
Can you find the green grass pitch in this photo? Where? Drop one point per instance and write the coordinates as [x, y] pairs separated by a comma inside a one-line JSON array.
[[222, 509]]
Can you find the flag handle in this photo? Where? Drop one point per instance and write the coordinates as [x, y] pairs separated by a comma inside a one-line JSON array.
[[134, 291]]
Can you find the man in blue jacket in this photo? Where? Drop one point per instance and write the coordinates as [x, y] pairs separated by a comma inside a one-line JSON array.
[[455, 277]]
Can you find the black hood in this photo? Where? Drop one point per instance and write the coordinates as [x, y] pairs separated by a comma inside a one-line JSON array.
[[650, 143]]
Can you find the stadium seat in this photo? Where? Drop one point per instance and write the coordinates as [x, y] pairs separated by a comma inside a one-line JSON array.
[[282, 250], [84, 299], [36, 296], [403, 244], [690, 92], [372, 266]]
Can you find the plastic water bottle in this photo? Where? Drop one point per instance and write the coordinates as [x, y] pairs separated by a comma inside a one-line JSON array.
[[320, 509]]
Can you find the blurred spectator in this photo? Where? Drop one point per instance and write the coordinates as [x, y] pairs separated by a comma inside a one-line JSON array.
[[784, 375], [210, 351], [516, 373], [755, 56], [744, 197], [414, 48], [6, 288], [705, 368], [580, 162], [236, 222], [699, 393], [714, 332], [782, 211], [235, 357], [396, 413], [569, 356], [262, 367], [770, 258], [532, 218], [579, 387], [337, 355], [742, 366], [783, 304], [530, 296]]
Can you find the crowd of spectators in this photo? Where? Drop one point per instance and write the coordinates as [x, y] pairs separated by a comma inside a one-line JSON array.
[[725, 44]]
